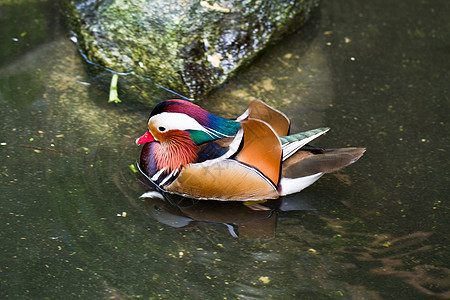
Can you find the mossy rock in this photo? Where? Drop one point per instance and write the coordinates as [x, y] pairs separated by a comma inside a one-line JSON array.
[[189, 47]]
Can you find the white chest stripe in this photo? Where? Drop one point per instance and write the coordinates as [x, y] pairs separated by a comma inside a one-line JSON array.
[[157, 174], [171, 175]]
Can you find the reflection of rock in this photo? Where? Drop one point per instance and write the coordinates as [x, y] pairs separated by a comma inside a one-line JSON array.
[[55, 108], [254, 222], [187, 46], [32, 68], [58, 91]]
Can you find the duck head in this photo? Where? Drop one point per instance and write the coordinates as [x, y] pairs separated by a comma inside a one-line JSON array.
[[178, 127]]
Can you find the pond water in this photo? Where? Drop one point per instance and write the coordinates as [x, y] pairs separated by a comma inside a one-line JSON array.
[[73, 224]]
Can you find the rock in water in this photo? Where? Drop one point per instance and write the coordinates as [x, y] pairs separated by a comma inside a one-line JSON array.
[[187, 46]]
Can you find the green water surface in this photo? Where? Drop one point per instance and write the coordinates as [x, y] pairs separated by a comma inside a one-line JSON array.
[[73, 225]]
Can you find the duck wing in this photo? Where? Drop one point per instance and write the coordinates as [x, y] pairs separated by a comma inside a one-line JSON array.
[[292, 143], [261, 149], [306, 163], [276, 119], [214, 149]]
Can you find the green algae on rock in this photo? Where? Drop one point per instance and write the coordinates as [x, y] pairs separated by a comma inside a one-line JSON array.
[[189, 47]]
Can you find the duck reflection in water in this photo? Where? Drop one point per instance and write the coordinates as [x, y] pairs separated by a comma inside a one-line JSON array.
[[248, 220]]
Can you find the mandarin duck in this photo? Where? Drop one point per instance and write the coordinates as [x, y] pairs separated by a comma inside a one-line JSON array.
[[194, 153]]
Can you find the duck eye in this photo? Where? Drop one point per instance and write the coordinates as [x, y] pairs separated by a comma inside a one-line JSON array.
[[160, 128]]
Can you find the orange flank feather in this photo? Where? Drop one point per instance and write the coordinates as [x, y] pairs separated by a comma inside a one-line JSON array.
[[175, 150], [223, 180], [276, 119], [261, 149]]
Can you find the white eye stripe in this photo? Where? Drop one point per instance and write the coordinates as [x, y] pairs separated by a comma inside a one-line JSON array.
[[170, 121]]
